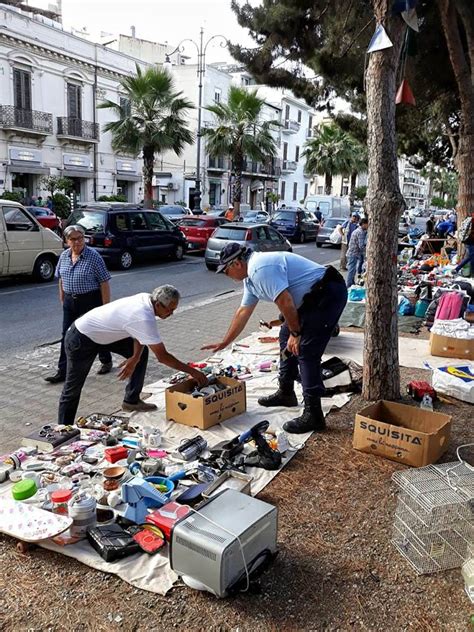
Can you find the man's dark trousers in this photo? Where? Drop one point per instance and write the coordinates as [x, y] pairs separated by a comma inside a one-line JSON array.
[[318, 315], [73, 307], [81, 352]]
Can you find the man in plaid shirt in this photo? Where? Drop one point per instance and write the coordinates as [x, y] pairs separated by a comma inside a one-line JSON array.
[[356, 250], [83, 285]]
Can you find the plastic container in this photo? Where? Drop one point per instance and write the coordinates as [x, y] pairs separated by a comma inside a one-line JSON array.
[[426, 402], [60, 499], [82, 510], [24, 489], [160, 480]]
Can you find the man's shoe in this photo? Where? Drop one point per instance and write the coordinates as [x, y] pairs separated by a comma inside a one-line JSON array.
[[284, 396], [312, 419], [105, 368], [55, 379], [139, 407]]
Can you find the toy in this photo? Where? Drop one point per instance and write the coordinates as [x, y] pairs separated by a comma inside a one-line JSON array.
[[140, 495]]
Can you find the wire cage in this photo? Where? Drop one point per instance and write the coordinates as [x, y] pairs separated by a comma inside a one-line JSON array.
[[434, 519]]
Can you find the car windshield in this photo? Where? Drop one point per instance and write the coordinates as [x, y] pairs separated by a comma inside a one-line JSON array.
[[172, 210], [284, 215], [93, 221], [232, 234], [195, 222], [332, 223]]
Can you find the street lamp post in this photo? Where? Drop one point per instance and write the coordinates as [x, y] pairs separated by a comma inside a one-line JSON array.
[[201, 69]]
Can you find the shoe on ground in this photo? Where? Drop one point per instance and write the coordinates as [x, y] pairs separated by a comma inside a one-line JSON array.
[[105, 368], [311, 420], [139, 407], [280, 398], [55, 379]]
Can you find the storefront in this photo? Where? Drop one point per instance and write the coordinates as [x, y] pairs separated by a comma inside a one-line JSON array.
[[26, 169], [127, 180], [78, 168]]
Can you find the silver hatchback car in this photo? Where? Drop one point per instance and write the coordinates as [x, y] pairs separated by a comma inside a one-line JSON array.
[[258, 237]]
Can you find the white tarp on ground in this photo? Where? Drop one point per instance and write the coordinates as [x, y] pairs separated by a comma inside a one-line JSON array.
[[153, 573]]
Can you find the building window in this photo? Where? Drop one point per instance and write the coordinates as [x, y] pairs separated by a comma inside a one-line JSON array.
[[74, 101], [126, 106], [345, 190], [287, 112], [295, 190], [22, 89], [245, 81], [285, 151], [283, 191], [320, 190], [299, 116], [217, 95], [297, 153], [310, 122], [305, 190]]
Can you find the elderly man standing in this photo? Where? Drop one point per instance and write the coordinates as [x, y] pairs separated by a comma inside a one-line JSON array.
[[83, 285], [311, 299], [127, 327], [346, 230], [356, 251]]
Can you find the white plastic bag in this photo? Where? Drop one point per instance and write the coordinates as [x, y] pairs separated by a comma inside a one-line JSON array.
[[335, 237], [454, 380]]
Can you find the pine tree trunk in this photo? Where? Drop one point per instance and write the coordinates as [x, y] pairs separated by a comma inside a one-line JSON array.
[[384, 202], [148, 167], [460, 46]]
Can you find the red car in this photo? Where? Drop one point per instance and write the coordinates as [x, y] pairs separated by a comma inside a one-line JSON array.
[[197, 230], [46, 218]]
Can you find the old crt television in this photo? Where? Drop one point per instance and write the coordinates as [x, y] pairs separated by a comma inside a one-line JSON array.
[[208, 548]]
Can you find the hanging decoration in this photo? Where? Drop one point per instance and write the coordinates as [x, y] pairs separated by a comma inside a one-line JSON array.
[[380, 40], [411, 18], [400, 6], [405, 94]]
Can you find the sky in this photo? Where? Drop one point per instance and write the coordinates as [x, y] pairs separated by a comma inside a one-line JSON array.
[[156, 20]]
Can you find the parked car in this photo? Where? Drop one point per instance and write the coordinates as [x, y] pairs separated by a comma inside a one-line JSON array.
[[326, 229], [198, 229], [26, 247], [216, 212], [46, 218], [297, 224], [174, 212], [258, 237], [254, 216], [123, 232]]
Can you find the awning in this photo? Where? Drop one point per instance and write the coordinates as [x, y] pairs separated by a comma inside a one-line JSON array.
[[76, 173], [255, 185], [129, 177], [43, 171]]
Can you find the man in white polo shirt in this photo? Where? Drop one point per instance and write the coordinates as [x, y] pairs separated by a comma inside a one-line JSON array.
[[127, 327]]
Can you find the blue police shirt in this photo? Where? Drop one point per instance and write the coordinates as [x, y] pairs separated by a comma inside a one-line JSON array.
[[269, 274], [85, 275]]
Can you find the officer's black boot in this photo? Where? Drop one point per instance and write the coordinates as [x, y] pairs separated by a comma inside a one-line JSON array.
[[312, 419], [284, 396]]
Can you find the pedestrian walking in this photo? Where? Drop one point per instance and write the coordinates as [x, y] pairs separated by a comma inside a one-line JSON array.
[[356, 251], [83, 285], [311, 298], [229, 214], [346, 230], [128, 327]]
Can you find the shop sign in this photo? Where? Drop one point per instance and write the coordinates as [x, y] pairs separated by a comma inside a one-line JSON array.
[[23, 155], [126, 166], [76, 161]]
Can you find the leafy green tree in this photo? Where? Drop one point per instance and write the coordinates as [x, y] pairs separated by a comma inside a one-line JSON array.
[[56, 183], [360, 193], [12, 196], [152, 119], [61, 205], [240, 133]]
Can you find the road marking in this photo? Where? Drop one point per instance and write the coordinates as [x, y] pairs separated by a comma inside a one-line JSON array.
[[209, 301]]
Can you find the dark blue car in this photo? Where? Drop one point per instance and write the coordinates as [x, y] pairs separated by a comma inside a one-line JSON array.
[[296, 224]]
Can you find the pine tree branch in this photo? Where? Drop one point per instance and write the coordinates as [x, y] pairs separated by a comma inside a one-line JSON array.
[[356, 37]]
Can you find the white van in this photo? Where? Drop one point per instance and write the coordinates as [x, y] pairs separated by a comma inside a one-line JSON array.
[[26, 247], [329, 205]]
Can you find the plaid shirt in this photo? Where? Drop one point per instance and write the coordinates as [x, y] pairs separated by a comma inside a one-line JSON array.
[[357, 243], [85, 275]]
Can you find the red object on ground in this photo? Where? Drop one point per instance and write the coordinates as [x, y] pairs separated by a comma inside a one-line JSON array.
[[167, 516], [198, 229], [197, 365], [418, 388], [112, 455]]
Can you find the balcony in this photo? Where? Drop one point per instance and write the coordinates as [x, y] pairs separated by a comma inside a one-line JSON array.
[[289, 166], [217, 164], [290, 127], [270, 168], [25, 122], [77, 130]]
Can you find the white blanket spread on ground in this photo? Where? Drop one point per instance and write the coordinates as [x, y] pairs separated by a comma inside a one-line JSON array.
[[153, 573]]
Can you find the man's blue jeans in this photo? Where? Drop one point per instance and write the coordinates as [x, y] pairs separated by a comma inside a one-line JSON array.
[[81, 352], [352, 263], [469, 258], [318, 318]]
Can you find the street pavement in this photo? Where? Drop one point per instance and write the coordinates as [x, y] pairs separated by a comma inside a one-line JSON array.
[[30, 320]]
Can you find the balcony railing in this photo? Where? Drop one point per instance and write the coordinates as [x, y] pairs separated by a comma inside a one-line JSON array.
[[29, 120], [291, 127], [289, 166], [77, 128], [218, 164], [269, 168]]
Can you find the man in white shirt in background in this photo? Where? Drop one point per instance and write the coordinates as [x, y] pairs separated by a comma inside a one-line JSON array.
[[127, 327]]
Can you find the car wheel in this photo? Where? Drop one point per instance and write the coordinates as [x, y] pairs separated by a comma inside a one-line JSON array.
[[44, 269], [302, 238], [126, 260], [178, 253], [319, 244], [211, 266]]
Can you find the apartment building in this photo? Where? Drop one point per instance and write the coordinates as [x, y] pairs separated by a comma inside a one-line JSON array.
[[50, 84], [414, 188]]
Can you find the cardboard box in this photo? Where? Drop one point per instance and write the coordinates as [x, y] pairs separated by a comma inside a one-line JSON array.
[[204, 412], [402, 433], [447, 347]]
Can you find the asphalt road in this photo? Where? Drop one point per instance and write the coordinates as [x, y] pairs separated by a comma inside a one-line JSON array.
[[30, 314]]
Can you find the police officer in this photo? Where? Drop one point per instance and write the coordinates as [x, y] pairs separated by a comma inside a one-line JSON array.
[[311, 298]]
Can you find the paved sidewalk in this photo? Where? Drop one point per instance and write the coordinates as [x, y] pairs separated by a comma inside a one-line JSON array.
[[25, 398]]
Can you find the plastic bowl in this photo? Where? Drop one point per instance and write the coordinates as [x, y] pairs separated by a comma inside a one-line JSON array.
[[160, 480]]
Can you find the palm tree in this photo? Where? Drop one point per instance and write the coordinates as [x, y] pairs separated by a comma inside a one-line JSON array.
[[239, 132], [330, 151], [151, 119]]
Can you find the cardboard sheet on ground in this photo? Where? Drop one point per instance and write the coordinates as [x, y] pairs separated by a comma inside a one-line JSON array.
[[153, 573]]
